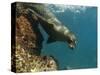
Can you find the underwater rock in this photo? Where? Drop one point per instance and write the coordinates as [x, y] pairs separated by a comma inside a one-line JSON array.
[[28, 48], [28, 38]]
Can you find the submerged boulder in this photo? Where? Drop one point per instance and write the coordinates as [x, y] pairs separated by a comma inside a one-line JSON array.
[[27, 49]]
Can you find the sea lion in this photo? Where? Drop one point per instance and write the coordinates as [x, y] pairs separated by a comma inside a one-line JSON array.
[[54, 28]]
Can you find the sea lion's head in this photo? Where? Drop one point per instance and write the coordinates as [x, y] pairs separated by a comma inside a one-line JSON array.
[[71, 39]]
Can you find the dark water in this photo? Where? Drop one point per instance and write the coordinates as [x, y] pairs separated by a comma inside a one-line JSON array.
[[84, 24]]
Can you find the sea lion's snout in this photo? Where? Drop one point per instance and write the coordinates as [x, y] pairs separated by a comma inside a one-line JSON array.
[[72, 44], [71, 40]]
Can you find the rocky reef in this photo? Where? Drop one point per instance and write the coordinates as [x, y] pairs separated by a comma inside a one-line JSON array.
[[26, 48]]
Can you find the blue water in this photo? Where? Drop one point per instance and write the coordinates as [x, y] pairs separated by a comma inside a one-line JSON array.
[[84, 25]]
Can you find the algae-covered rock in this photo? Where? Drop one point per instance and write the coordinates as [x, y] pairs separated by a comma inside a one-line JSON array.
[[28, 43]]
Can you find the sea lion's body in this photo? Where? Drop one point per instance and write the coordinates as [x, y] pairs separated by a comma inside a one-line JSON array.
[[55, 29]]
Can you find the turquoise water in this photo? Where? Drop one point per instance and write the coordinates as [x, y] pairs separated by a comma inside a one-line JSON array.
[[83, 22]]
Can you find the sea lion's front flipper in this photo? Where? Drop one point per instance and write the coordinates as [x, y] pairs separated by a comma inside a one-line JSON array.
[[51, 39]]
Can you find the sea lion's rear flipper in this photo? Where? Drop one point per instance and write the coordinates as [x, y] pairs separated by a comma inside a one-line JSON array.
[[51, 39]]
